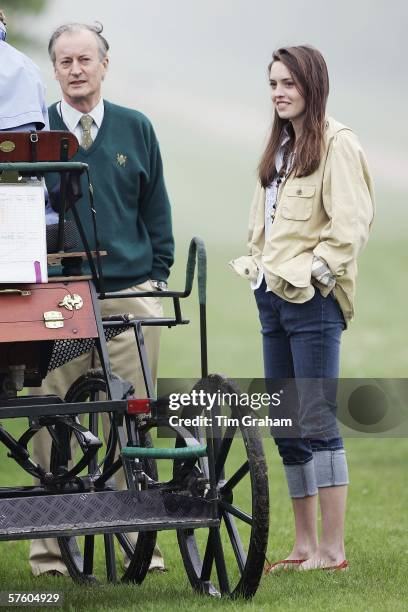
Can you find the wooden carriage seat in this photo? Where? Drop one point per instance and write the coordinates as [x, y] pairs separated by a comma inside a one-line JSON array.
[[37, 146]]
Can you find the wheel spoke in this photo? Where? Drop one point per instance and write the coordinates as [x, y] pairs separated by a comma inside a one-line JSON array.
[[243, 516], [224, 450], [220, 561], [72, 545], [235, 540], [125, 544], [236, 477], [208, 560]]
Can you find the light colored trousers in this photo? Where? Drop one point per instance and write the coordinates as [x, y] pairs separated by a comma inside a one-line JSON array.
[[45, 553]]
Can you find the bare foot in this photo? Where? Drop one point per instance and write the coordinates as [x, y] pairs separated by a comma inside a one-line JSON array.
[[321, 560], [291, 562]]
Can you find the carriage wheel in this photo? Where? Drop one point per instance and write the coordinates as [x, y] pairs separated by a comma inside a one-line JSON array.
[[88, 557], [229, 560]]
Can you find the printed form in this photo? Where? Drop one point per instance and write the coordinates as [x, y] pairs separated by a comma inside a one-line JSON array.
[[23, 244]]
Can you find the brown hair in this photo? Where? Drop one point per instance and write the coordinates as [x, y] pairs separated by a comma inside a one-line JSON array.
[[309, 72], [2, 17]]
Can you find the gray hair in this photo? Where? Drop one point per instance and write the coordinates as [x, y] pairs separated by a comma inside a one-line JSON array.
[[96, 29]]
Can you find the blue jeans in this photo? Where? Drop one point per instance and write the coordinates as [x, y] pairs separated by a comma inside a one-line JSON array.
[[302, 341]]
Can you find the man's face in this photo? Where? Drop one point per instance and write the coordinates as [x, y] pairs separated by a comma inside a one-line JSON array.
[[79, 68]]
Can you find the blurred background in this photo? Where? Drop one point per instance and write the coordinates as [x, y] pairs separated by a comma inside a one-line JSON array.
[[198, 71]]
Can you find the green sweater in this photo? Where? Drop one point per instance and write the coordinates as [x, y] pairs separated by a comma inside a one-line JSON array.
[[131, 202]]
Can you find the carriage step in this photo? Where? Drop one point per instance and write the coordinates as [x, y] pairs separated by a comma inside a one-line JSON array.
[[184, 452], [101, 512]]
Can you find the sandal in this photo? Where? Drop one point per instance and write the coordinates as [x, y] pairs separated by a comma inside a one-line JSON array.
[[335, 568]]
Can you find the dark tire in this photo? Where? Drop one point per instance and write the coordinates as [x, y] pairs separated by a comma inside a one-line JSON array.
[[229, 560], [82, 554]]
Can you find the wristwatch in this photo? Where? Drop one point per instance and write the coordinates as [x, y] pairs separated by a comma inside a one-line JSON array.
[[159, 285]]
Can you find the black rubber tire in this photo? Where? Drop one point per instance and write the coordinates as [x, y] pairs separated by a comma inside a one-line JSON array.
[[248, 575], [83, 389]]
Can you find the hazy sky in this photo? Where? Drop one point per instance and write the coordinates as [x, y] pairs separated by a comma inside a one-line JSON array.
[[198, 70]]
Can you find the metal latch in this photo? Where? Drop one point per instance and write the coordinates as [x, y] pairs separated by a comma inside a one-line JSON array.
[[53, 319], [72, 302]]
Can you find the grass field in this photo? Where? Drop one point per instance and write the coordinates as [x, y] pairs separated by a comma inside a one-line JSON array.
[[377, 531], [376, 541]]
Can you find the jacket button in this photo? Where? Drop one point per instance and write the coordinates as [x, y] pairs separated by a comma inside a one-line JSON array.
[[246, 271], [299, 192]]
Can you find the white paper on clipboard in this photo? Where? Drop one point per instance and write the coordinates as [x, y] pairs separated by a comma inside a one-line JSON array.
[[23, 243]]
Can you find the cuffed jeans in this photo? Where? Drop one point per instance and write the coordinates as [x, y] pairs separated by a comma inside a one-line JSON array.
[[302, 342]]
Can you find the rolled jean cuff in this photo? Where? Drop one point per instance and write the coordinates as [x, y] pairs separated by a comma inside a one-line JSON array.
[[331, 468], [301, 479]]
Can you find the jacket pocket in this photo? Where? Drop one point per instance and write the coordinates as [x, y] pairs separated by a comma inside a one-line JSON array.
[[291, 280], [297, 271], [245, 267], [297, 202]]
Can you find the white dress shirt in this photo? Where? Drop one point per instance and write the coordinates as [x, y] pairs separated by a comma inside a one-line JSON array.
[[71, 117]]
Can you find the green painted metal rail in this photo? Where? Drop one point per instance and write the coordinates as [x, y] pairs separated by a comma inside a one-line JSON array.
[[184, 452]]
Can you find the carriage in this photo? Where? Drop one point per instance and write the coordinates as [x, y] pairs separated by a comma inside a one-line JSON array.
[[215, 489]]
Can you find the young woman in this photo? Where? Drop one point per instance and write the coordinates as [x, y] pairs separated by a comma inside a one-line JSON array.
[[309, 220]]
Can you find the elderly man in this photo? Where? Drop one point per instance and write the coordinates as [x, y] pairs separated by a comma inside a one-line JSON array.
[[133, 216]]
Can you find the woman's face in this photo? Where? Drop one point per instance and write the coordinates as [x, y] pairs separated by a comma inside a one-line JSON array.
[[287, 99]]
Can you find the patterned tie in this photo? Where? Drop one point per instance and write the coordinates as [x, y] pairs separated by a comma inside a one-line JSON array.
[[86, 121]]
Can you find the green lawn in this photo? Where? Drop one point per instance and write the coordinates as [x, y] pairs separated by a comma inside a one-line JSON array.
[[376, 541], [377, 529]]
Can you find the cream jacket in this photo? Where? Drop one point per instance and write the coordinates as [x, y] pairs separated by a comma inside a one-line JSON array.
[[328, 213]]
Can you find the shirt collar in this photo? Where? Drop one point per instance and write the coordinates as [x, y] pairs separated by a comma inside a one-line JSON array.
[[71, 115]]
